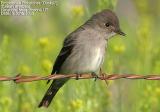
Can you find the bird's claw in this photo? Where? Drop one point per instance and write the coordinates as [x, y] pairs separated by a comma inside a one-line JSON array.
[[77, 76], [103, 75], [95, 76]]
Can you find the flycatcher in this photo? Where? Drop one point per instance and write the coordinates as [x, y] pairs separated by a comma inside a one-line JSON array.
[[83, 50]]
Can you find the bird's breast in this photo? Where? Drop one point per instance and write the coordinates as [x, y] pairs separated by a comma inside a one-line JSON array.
[[95, 59], [84, 59]]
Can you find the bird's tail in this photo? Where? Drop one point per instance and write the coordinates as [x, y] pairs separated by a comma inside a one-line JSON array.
[[51, 92]]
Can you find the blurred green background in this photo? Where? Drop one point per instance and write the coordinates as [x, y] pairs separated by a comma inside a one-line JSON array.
[[30, 44]]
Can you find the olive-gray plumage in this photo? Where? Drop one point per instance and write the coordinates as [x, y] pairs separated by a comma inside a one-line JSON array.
[[83, 50]]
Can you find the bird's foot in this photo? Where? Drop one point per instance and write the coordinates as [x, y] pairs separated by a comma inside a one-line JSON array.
[[104, 75], [94, 75], [77, 76]]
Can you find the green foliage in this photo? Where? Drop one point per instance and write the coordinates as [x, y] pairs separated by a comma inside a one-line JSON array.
[[30, 46]]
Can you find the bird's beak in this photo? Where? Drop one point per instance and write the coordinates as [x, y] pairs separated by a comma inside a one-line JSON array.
[[120, 32]]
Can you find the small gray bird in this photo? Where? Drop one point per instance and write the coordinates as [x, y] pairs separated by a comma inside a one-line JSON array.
[[83, 50]]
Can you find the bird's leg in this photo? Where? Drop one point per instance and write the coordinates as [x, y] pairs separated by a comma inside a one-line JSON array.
[[94, 75], [103, 75], [78, 75]]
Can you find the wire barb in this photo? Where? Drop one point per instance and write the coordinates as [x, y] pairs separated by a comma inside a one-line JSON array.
[[20, 79]]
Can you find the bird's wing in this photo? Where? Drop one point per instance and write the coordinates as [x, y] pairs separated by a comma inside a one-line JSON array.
[[68, 45], [64, 53], [57, 83], [66, 50]]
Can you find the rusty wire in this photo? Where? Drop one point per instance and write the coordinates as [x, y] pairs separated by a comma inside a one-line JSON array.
[[19, 78]]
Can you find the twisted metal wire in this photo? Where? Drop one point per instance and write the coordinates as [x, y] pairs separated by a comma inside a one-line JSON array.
[[20, 79]]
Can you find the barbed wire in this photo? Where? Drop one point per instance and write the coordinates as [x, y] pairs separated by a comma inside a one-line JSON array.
[[20, 79]]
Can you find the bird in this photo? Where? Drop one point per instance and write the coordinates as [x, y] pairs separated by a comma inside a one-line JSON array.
[[83, 50]]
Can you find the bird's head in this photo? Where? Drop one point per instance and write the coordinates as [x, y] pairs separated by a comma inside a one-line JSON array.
[[106, 22]]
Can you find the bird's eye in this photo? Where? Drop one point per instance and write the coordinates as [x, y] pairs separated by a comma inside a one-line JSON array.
[[107, 24]]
